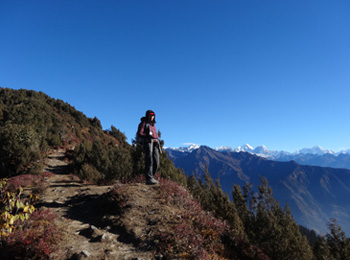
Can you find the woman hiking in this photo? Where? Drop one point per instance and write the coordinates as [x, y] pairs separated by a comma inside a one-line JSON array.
[[148, 132]]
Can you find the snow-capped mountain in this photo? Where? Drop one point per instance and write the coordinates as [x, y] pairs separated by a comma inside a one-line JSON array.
[[314, 150], [315, 156], [188, 148], [264, 152], [344, 152], [243, 148], [261, 151]]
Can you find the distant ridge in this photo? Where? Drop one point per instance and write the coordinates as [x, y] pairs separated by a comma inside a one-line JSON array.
[[318, 150], [315, 156]]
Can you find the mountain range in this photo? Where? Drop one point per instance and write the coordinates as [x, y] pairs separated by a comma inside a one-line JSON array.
[[315, 194], [315, 156]]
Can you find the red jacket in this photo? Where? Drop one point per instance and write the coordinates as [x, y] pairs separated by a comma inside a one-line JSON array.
[[148, 130]]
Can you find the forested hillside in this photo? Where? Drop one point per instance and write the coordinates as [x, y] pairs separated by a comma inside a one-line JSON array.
[[32, 123], [197, 219]]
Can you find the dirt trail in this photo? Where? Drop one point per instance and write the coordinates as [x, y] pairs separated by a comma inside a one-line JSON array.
[[87, 235]]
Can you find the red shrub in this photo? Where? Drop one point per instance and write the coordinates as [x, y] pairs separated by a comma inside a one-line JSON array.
[[25, 180], [47, 174], [193, 233], [35, 239]]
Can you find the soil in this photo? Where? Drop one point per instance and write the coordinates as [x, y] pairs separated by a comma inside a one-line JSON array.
[[90, 233]]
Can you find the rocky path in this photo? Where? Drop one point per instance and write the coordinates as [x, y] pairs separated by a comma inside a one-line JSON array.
[[86, 236]]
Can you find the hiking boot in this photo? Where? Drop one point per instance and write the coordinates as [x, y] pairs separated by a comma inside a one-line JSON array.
[[152, 182]]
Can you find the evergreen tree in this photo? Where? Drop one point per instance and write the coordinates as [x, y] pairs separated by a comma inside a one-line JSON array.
[[240, 203], [270, 227], [138, 159], [117, 134], [322, 250], [309, 234], [167, 169], [100, 162], [338, 244], [196, 190], [19, 150], [212, 198]]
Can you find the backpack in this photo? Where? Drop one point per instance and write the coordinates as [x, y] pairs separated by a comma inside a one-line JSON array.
[[139, 138]]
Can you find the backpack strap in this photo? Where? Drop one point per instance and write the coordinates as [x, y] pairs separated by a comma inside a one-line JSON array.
[[139, 138]]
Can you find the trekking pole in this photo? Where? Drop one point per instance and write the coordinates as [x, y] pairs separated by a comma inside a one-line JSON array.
[[160, 148]]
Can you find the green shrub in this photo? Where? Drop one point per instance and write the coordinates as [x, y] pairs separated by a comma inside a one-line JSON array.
[[108, 162], [19, 149], [90, 173]]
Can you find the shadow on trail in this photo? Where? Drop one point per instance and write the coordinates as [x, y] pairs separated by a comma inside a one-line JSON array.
[[94, 210], [104, 213], [61, 158], [64, 185], [53, 204], [59, 170]]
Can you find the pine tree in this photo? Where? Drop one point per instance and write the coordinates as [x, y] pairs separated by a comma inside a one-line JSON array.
[[270, 227], [218, 201], [240, 203], [322, 250], [168, 170], [196, 190], [117, 134], [338, 244]]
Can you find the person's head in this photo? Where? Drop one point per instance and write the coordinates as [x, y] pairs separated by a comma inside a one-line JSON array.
[[150, 115]]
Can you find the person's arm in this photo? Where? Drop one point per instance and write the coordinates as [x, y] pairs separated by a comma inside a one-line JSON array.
[[144, 131], [154, 132]]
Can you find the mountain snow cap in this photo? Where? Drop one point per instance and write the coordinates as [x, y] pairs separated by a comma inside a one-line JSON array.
[[344, 152], [314, 150], [261, 149], [188, 147], [245, 148], [224, 148], [192, 147]]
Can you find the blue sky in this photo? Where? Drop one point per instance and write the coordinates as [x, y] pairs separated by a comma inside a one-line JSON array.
[[217, 73]]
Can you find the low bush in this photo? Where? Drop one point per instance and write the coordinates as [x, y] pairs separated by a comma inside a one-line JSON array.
[[36, 182], [25, 180], [193, 233], [25, 233], [12, 207], [35, 238]]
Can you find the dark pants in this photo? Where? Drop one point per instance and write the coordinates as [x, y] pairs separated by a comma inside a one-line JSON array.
[[151, 159]]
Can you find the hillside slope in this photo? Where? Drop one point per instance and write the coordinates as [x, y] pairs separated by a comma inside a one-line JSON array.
[[314, 194], [32, 124], [129, 221], [87, 215], [80, 208]]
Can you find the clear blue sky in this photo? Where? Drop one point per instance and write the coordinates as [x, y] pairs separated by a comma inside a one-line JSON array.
[[217, 73]]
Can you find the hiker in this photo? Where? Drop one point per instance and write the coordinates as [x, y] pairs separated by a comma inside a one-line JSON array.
[[148, 133]]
